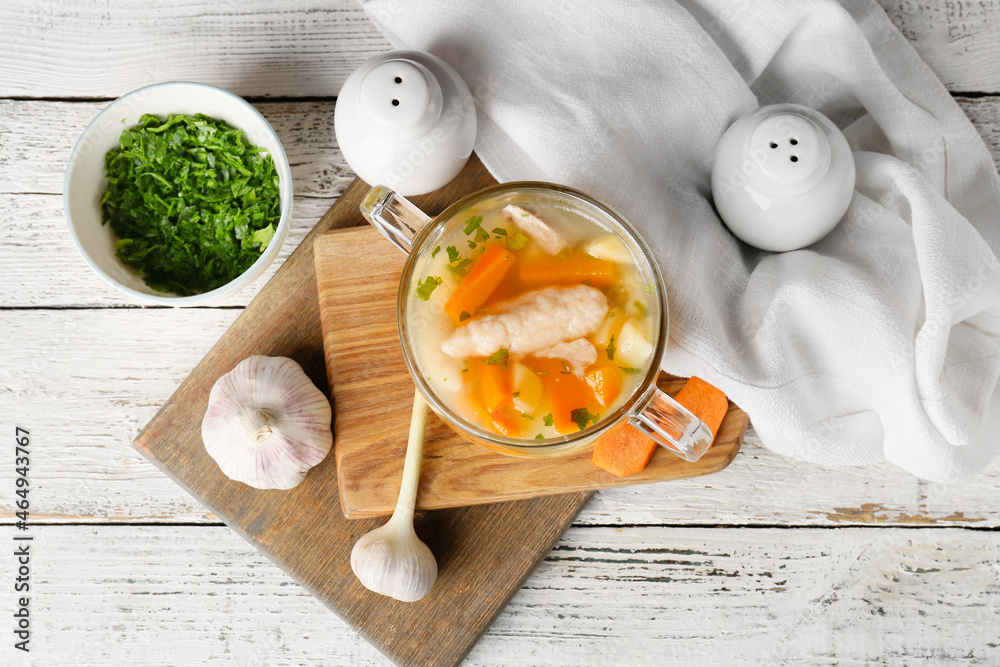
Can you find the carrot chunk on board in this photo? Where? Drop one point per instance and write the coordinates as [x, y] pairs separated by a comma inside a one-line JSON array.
[[480, 282], [706, 402], [624, 452], [628, 450]]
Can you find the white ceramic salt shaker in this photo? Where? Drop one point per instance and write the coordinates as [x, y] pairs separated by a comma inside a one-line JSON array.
[[783, 177], [406, 120]]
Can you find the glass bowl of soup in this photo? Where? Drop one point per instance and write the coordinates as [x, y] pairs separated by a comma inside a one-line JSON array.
[[533, 318]]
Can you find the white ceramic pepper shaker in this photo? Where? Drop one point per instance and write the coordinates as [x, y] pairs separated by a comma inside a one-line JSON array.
[[406, 120], [783, 177]]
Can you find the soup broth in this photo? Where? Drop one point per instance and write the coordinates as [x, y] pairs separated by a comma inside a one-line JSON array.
[[531, 317]]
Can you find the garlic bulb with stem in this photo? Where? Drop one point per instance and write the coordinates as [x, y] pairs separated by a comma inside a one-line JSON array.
[[267, 424], [392, 560]]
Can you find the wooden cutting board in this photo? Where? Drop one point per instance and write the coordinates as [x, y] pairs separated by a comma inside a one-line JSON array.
[[484, 553], [357, 276]]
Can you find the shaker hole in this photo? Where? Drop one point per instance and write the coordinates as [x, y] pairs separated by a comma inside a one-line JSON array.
[[794, 142], [794, 158], [395, 103], [774, 145], [398, 79]]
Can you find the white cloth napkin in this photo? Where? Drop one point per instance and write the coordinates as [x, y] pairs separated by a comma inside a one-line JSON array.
[[880, 342]]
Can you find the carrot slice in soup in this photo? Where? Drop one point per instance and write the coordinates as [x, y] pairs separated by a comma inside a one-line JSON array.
[[605, 383], [495, 385], [628, 450], [491, 399], [473, 397], [565, 393], [545, 271], [480, 282], [506, 420]]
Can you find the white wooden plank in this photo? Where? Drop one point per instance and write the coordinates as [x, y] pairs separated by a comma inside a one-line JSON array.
[[180, 596], [984, 112], [41, 267], [958, 39], [299, 48], [306, 48], [693, 596], [37, 255], [175, 595], [38, 258], [38, 136], [85, 381]]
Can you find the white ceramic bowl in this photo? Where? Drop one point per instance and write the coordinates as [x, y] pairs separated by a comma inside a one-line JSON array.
[[85, 180]]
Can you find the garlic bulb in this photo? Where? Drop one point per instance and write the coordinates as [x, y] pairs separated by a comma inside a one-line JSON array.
[[392, 560], [267, 424]]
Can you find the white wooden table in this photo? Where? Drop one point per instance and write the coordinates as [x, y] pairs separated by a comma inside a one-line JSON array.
[[768, 562]]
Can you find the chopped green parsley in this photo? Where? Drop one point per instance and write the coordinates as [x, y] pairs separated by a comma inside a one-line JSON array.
[[517, 241], [472, 224], [427, 286], [498, 357], [461, 268], [581, 416], [192, 201]]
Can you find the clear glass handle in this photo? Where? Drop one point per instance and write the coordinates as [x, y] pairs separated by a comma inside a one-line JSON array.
[[393, 215], [673, 427]]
